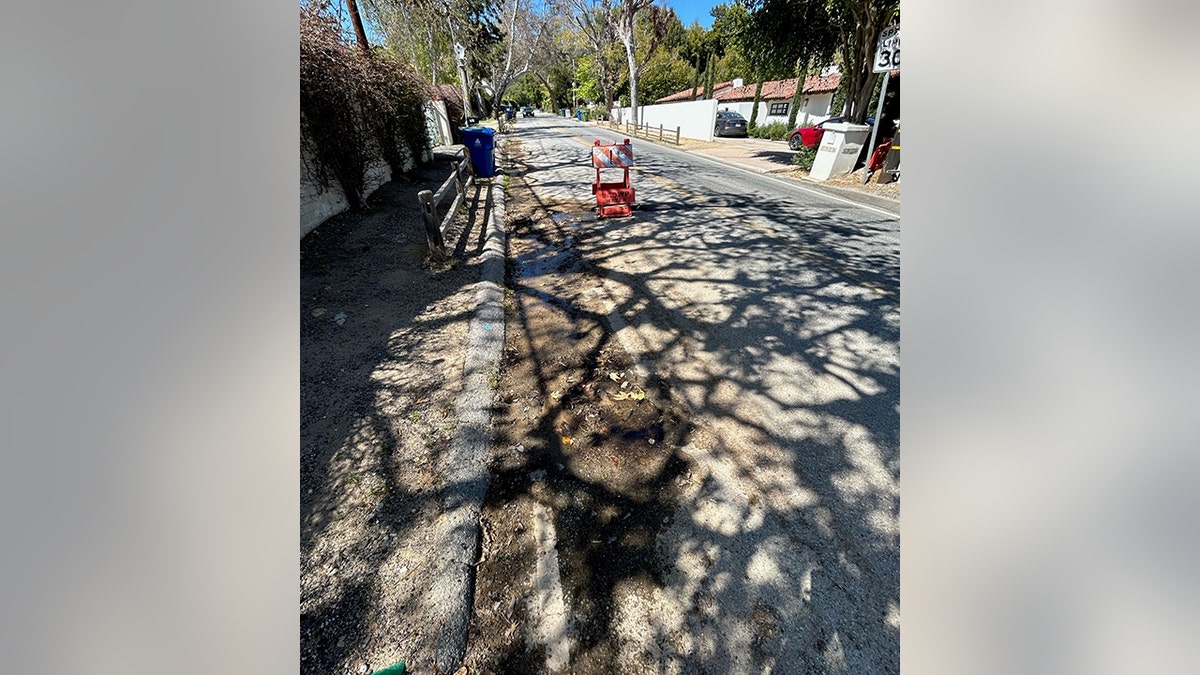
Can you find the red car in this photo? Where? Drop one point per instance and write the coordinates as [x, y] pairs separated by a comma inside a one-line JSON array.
[[810, 137]]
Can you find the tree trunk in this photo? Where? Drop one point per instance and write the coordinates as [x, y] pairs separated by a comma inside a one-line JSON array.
[[757, 97], [432, 57], [633, 76], [468, 107], [359, 32], [607, 86], [696, 79], [858, 48], [549, 92], [710, 79], [862, 102], [801, 75]]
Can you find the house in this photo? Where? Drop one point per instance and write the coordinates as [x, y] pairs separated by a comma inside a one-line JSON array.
[[776, 99], [686, 94]]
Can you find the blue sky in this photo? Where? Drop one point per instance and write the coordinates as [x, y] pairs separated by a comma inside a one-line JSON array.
[[688, 11], [694, 10]]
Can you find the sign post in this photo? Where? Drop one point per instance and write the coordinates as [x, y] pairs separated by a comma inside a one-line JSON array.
[[887, 59], [460, 54]]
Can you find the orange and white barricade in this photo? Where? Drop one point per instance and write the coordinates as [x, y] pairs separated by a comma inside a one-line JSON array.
[[613, 199]]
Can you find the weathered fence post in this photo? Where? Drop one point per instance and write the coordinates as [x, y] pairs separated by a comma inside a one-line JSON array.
[[433, 229], [466, 162], [676, 135], [458, 179], [660, 133]]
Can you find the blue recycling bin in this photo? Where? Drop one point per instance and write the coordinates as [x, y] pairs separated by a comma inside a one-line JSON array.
[[481, 143], [579, 114]]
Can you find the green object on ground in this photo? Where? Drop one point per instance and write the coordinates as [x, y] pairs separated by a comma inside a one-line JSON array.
[[397, 669]]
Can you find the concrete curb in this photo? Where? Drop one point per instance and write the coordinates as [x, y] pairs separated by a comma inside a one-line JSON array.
[[467, 472], [885, 203]]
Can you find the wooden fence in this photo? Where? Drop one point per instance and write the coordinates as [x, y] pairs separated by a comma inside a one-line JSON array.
[[647, 131], [436, 225]]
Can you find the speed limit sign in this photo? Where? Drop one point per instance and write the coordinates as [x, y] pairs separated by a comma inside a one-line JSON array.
[[887, 51]]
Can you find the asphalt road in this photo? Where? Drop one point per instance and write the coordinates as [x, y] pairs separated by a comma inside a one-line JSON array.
[[772, 310]]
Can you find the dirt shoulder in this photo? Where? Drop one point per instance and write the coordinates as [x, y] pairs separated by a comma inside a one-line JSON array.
[[383, 338], [585, 449]]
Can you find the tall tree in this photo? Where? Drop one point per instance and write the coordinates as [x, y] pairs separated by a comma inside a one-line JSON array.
[[701, 48], [799, 33], [859, 23], [523, 26], [665, 73], [742, 29], [726, 45], [427, 31], [593, 19], [624, 21]]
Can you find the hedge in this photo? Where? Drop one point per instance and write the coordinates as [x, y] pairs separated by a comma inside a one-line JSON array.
[[355, 107]]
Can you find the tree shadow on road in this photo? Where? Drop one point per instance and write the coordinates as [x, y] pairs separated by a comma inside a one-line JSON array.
[[768, 536]]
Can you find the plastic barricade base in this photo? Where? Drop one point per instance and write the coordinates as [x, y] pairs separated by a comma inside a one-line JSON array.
[[616, 198]]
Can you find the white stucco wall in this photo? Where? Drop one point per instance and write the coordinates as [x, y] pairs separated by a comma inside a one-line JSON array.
[[815, 109], [742, 107], [694, 118], [318, 203], [438, 121]]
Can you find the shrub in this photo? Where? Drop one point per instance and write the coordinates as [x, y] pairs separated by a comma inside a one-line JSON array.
[[327, 117], [804, 158], [354, 107], [393, 99], [775, 131]]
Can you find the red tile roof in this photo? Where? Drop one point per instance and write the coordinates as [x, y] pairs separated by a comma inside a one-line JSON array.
[[782, 89], [686, 94]]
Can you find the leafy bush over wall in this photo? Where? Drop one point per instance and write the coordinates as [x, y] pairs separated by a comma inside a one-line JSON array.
[[353, 107], [804, 158], [775, 131]]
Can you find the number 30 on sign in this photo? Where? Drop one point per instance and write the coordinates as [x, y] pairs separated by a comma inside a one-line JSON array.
[[887, 53]]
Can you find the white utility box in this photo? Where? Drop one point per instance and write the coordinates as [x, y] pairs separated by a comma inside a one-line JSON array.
[[839, 149]]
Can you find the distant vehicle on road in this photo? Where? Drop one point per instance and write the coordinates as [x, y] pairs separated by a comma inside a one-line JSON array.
[[730, 123], [810, 137], [527, 111]]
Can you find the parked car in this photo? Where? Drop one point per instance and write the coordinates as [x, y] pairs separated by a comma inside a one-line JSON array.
[[527, 111], [730, 123], [810, 137]]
